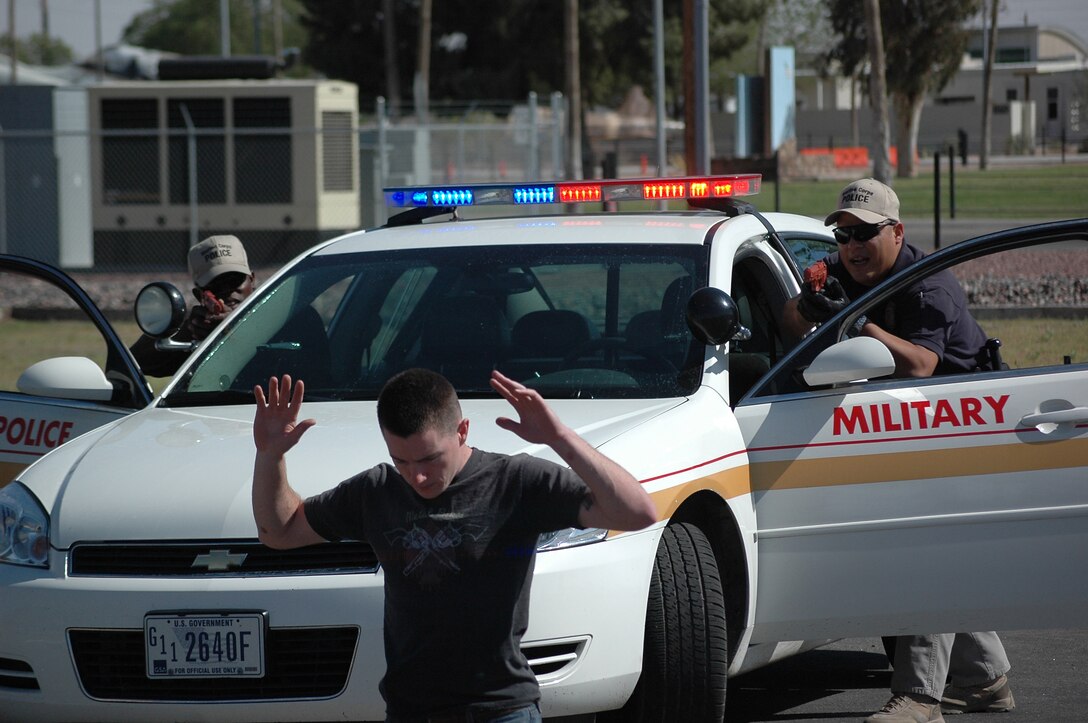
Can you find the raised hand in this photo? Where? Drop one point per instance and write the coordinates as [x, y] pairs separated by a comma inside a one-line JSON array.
[[207, 315], [538, 423], [201, 323], [616, 500], [276, 428]]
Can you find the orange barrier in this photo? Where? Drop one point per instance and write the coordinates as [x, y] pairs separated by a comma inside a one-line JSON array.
[[849, 156]]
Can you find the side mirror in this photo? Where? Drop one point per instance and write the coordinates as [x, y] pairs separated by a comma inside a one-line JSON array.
[[66, 377], [160, 309], [851, 360], [713, 318]]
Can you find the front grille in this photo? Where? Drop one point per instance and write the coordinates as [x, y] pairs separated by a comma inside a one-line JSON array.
[[218, 558], [302, 663], [17, 674]]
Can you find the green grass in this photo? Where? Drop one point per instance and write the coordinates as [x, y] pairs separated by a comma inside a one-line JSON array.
[[1027, 342], [23, 343], [1031, 342], [1029, 193], [1039, 192]]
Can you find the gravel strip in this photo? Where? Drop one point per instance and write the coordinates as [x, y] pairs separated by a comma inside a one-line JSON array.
[[1029, 278]]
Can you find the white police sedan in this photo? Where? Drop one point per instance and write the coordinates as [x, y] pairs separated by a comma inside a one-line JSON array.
[[798, 485], [58, 399]]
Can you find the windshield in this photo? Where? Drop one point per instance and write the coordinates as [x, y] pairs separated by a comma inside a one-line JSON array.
[[574, 322]]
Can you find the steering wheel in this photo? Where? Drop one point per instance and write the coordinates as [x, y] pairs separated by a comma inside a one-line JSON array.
[[614, 343]]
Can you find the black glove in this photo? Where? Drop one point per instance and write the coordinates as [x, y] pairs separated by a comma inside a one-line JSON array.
[[819, 306], [199, 324]]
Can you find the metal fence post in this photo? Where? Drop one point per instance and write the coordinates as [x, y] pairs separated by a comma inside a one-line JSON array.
[[951, 183], [937, 199], [460, 164], [190, 143], [557, 135], [383, 163], [533, 166], [777, 182]]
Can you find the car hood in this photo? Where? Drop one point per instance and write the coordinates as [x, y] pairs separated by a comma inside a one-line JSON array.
[[169, 474]]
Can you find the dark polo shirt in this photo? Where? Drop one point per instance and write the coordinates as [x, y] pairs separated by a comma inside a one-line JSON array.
[[931, 313]]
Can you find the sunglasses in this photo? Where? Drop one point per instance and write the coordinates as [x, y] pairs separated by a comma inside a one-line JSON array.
[[231, 288], [861, 233]]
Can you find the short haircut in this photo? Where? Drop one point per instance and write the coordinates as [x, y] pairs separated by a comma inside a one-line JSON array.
[[416, 400]]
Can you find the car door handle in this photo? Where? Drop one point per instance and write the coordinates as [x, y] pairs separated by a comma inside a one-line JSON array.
[[1076, 414]]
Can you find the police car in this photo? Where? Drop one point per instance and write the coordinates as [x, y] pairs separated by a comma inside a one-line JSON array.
[[803, 493], [60, 398]]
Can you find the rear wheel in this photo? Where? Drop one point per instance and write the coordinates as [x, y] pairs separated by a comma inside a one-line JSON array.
[[685, 658]]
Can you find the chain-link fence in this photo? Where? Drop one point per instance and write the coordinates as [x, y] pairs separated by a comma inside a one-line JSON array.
[[128, 190], [131, 195], [528, 144], [124, 199], [136, 181]]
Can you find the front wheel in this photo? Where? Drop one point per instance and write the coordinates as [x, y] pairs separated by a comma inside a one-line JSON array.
[[685, 658]]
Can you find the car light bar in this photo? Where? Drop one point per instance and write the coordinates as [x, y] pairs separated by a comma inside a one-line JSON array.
[[511, 194]]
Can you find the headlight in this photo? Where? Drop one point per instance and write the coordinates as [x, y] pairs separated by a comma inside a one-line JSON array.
[[24, 528], [569, 537]]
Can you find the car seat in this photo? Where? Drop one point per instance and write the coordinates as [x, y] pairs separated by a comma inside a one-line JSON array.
[[541, 339], [464, 338]]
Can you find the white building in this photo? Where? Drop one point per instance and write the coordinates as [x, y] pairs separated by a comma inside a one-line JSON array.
[[1039, 96]]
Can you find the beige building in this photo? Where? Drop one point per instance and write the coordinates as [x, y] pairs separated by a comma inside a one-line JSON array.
[[1039, 95]]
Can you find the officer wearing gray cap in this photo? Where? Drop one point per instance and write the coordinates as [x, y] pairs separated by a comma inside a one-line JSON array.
[[222, 279], [928, 330]]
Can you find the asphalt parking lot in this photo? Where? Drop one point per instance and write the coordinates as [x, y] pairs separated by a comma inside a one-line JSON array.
[[922, 232], [848, 680]]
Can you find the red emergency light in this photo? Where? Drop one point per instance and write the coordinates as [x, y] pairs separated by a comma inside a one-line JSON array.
[[609, 190]]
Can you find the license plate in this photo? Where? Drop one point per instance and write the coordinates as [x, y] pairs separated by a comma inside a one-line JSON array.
[[205, 645]]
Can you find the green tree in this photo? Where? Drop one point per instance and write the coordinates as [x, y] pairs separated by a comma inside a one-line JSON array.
[[37, 49], [924, 41], [484, 50], [191, 27], [801, 24]]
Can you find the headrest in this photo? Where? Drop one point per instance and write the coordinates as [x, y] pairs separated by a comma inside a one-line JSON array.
[[463, 325], [550, 332]]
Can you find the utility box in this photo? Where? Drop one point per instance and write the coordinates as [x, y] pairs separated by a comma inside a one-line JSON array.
[[274, 162]]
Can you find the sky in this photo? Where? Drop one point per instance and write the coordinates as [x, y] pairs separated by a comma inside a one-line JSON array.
[[1071, 15], [74, 20]]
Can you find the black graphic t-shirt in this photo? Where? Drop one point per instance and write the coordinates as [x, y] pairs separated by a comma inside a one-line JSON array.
[[458, 570]]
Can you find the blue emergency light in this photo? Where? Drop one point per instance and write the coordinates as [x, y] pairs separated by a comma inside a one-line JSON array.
[[596, 191]]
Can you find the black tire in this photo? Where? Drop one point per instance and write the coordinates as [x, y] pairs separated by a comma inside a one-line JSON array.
[[685, 659]]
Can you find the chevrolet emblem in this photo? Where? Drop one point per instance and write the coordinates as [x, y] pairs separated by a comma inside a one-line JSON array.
[[219, 560]]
